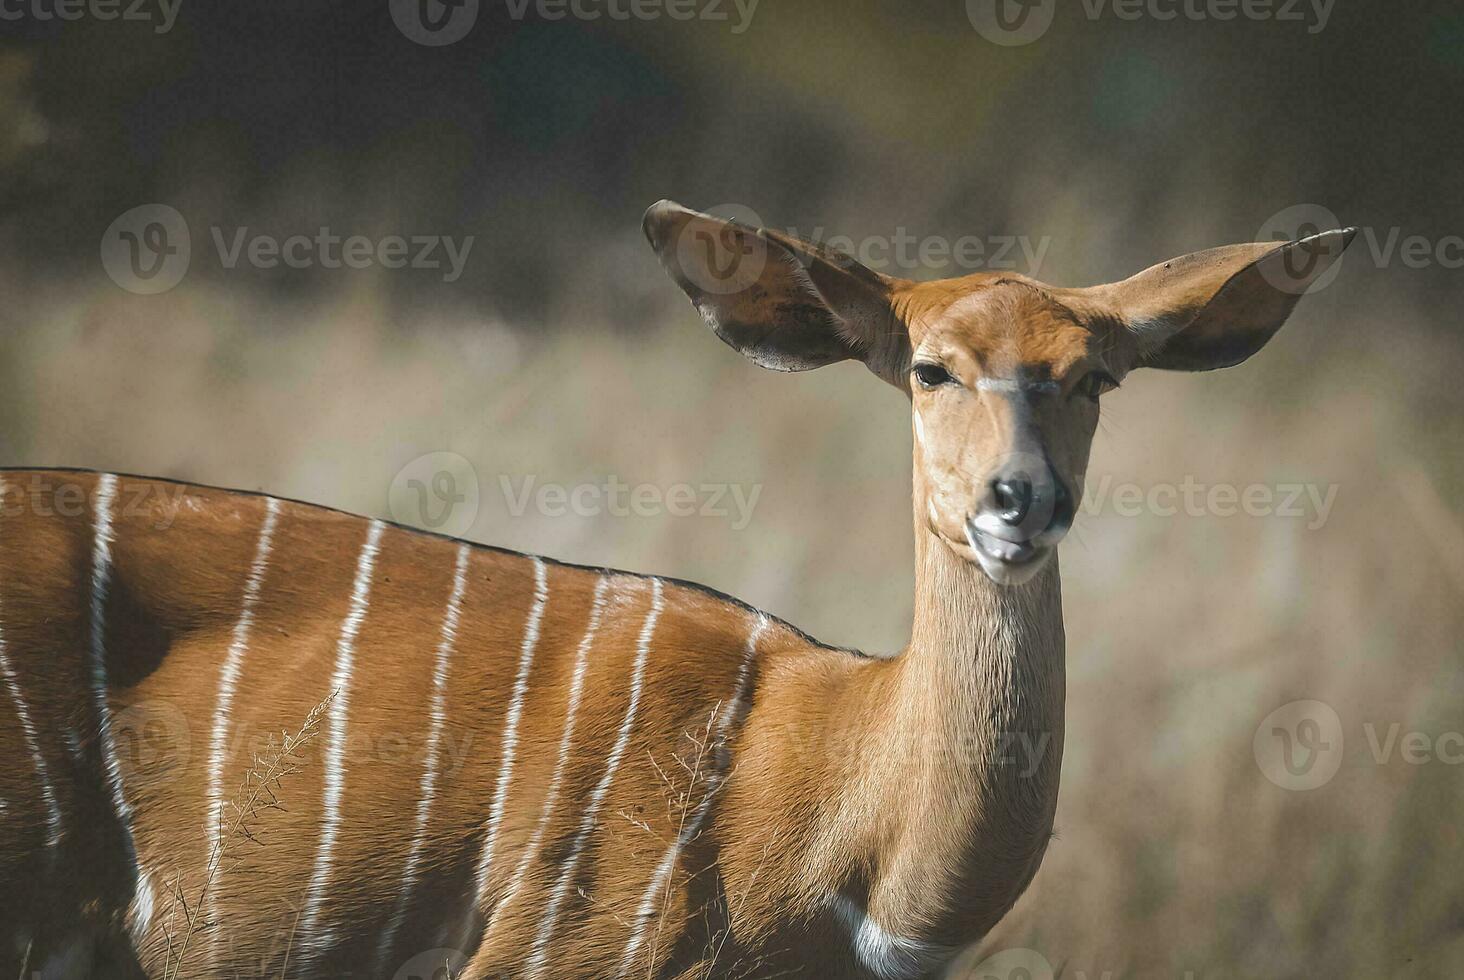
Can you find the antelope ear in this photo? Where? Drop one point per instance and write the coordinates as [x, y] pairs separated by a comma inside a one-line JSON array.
[[783, 303], [1216, 308]]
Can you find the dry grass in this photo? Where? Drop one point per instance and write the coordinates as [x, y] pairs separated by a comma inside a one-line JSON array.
[[239, 823]]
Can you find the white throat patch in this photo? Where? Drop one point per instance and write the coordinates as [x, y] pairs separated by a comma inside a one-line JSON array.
[[887, 956]]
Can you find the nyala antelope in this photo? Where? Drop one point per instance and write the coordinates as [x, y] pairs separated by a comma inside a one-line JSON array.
[[523, 768]]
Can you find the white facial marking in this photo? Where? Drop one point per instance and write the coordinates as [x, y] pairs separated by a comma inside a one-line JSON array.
[[576, 689], [539, 952], [101, 580], [887, 956], [316, 938], [428, 788], [919, 429], [731, 710], [1012, 385], [510, 729], [28, 731]]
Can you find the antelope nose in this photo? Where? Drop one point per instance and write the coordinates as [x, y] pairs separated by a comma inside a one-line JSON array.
[[1024, 504], [1012, 497]]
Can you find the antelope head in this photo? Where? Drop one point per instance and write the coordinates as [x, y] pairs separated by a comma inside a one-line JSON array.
[[1003, 372]]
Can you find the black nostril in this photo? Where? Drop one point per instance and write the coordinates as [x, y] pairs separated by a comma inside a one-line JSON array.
[[1013, 497]]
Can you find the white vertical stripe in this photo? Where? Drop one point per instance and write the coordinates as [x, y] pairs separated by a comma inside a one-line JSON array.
[[319, 939], [229, 675], [576, 690], [716, 779], [228, 683], [140, 912], [510, 730], [540, 949], [429, 773], [28, 730], [106, 492]]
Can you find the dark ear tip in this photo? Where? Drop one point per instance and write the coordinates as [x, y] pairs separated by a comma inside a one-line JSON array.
[[1346, 234], [659, 220]]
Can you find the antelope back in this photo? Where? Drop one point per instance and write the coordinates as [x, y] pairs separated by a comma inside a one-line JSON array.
[[349, 742]]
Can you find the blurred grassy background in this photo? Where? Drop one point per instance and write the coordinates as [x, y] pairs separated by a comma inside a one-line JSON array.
[[565, 354]]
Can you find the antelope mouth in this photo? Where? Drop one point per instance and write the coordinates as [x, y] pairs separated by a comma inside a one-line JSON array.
[[1006, 562]]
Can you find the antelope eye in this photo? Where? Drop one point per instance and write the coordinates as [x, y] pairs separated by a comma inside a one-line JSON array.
[[1097, 383], [932, 375]]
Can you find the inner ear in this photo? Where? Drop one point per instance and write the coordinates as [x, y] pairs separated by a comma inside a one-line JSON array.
[[783, 303], [1216, 308]]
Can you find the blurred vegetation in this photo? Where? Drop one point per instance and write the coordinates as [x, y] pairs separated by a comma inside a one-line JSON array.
[[564, 353]]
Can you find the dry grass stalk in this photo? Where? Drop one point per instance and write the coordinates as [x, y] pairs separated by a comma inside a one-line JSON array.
[[258, 793]]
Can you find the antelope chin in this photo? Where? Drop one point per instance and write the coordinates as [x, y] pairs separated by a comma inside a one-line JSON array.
[[1006, 562]]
